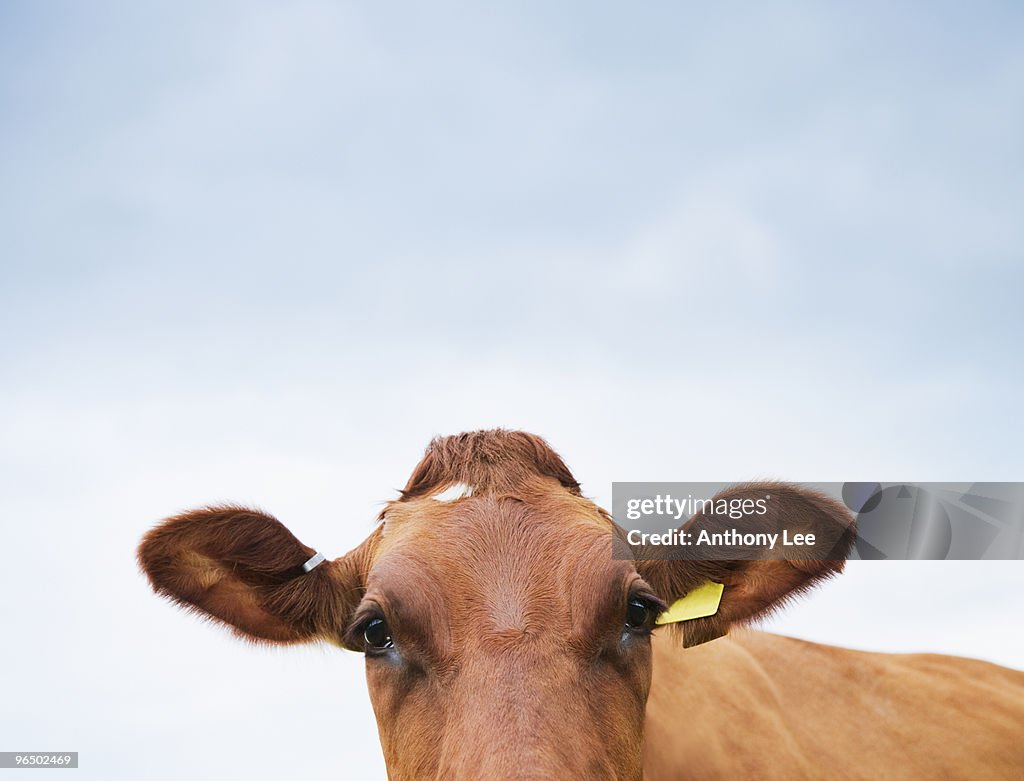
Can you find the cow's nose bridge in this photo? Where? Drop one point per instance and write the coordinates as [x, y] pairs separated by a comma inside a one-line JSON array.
[[524, 716], [513, 758], [520, 770]]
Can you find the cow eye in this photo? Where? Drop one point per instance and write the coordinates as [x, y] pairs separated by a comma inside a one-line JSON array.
[[376, 635], [639, 615]]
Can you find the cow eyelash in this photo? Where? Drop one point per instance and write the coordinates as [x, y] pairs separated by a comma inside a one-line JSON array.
[[376, 636], [370, 633], [641, 612]]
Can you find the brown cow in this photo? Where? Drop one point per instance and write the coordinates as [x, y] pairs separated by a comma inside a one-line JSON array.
[[503, 640]]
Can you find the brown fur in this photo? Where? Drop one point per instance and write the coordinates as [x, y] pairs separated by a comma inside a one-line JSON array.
[[495, 461], [511, 659], [244, 569]]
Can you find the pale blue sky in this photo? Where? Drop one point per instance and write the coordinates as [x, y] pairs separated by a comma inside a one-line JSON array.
[[264, 251]]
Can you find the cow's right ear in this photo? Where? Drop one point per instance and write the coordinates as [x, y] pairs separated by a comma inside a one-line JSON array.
[[244, 569], [729, 591]]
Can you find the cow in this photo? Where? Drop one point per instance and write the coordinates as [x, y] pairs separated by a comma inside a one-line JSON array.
[[503, 640]]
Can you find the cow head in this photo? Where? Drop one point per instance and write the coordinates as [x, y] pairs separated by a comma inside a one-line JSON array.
[[502, 639]]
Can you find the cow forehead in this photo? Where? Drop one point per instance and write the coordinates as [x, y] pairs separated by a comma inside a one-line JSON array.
[[460, 518], [504, 563]]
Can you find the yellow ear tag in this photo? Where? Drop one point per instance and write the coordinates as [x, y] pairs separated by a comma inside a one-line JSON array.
[[702, 601]]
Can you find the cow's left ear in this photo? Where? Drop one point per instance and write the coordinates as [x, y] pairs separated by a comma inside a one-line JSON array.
[[244, 569], [764, 581]]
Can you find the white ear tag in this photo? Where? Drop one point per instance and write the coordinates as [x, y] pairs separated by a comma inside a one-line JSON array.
[[315, 561]]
